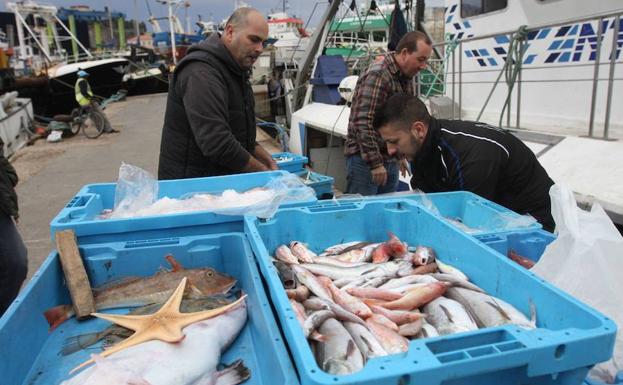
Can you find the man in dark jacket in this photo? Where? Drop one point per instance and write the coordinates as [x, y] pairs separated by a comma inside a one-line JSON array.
[[13, 254], [209, 126], [450, 155]]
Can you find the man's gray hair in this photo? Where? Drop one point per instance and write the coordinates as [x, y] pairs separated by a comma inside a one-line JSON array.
[[240, 16]]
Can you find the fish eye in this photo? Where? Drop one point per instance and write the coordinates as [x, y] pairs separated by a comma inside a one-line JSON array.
[[210, 273]]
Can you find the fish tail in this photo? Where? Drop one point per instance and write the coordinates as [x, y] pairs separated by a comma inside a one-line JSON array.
[[79, 342], [234, 374], [57, 315]]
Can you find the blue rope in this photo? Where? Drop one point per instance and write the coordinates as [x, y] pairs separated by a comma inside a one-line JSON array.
[[282, 135]]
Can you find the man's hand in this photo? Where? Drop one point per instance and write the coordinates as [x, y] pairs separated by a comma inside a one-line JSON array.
[[263, 156], [404, 168], [379, 175]]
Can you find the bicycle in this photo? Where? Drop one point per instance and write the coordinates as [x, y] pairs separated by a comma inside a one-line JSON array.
[[87, 119]]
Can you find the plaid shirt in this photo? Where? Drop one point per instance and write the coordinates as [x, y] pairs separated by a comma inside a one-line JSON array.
[[380, 81]]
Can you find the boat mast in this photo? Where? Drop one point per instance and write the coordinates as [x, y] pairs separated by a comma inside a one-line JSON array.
[[48, 13], [172, 24], [311, 51]]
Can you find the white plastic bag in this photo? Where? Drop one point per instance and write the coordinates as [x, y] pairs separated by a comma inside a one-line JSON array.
[[136, 190], [288, 188], [586, 261]]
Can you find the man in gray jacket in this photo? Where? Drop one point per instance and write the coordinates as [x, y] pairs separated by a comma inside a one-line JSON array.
[[209, 125]]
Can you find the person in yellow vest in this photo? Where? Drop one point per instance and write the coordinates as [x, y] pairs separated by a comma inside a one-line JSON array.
[[85, 98]]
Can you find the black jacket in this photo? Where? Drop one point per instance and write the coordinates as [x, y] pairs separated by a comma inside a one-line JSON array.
[[8, 181], [209, 126], [488, 161]]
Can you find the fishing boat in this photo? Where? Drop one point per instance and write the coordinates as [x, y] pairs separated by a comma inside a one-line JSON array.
[[46, 69], [289, 36], [563, 91]]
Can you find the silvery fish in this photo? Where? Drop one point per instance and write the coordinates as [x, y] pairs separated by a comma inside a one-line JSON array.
[[489, 311], [456, 281], [339, 354], [449, 316], [367, 343]]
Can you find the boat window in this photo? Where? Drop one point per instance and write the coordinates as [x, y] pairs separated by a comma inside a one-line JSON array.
[[479, 7], [378, 36]]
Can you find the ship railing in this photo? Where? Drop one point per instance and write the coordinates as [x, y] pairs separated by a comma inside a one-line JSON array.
[[451, 71]]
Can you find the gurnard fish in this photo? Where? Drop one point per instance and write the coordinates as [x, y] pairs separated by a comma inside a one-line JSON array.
[[384, 251], [311, 281], [191, 361], [158, 288], [391, 341], [417, 297], [347, 301], [521, 260], [284, 254], [315, 303], [115, 332], [301, 251]]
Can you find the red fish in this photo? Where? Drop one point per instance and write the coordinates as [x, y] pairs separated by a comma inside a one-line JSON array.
[[392, 248]]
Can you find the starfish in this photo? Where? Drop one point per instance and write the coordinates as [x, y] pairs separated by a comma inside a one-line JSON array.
[[164, 325]]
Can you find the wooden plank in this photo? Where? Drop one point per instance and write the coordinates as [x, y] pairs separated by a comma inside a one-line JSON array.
[[75, 274]]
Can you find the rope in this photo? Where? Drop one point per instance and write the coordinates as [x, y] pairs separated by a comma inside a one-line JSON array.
[[511, 69], [282, 134], [451, 45]]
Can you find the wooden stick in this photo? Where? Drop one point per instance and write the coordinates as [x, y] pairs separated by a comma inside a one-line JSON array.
[[75, 274]]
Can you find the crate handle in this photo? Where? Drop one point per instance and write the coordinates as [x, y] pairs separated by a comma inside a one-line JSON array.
[[151, 242], [79, 201], [488, 238], [333, 207]]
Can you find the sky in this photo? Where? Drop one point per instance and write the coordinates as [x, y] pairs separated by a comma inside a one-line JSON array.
[[215, 10]]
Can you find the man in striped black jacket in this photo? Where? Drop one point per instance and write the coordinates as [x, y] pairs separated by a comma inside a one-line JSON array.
[[451, 155]]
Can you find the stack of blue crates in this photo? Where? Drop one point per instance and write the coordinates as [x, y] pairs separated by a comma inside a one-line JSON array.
[[322, 184], [570, 338], [290, 162], [330, 70]]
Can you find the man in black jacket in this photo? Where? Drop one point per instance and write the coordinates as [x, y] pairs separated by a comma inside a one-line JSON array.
[[13, 254], [209, 126], [450, 155]]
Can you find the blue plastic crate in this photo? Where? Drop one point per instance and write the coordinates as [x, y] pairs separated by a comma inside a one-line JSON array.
[[480, 215], [530, 244], [570, 339], [288, 161], [82, 211], [31, 354], [322, 184]]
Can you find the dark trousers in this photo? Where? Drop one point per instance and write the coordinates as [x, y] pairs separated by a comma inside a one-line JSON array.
[[13, 262]]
